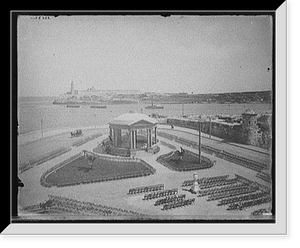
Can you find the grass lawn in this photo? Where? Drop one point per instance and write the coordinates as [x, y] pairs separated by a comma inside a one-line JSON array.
[[79, 171], [190, 161]]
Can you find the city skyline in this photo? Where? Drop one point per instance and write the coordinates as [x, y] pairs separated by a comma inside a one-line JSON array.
[[199, 54]]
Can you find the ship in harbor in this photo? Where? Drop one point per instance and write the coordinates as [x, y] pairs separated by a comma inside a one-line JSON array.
[[154, 106], [99, 106]]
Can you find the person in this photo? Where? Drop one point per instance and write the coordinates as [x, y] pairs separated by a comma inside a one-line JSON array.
[[172, 126]]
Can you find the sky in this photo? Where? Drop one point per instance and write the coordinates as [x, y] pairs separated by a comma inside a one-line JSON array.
[[199, 54]]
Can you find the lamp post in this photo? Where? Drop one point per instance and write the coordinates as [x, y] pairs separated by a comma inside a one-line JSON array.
[[42, 123], [199, 123], [210, 126]]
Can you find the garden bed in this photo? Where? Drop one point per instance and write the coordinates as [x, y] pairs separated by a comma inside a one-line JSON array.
[[79, 171], [190, 161]]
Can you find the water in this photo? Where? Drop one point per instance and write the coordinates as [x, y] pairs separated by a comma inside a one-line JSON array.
[[32, 109]]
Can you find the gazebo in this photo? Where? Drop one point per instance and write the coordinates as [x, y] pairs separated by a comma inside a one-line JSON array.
[[133, 131]]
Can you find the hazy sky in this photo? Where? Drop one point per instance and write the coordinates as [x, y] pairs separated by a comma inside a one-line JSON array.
[[200, 54]]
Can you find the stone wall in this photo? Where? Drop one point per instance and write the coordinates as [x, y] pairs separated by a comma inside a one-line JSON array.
[[228, 132], [234, 133]]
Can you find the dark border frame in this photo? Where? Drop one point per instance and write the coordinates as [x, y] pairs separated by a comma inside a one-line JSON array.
[[13, 105]]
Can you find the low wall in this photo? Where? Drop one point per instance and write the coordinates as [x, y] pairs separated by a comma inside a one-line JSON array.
[[229, 132]]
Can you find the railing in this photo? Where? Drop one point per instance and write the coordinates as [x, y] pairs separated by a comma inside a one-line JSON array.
[[150, 170], [40, 160], [46, 173]]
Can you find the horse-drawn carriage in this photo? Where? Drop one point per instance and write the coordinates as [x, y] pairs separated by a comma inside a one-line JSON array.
[[76, 133]]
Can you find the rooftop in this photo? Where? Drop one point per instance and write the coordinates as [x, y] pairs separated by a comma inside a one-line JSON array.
[[132, 118]]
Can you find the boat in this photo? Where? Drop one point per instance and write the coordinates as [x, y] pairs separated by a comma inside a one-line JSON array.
[[99, 106], [154, 106], [73, 106]]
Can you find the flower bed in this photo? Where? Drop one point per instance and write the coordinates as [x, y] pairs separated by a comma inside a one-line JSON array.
[[189, 162], [78, 171], [233, 158]]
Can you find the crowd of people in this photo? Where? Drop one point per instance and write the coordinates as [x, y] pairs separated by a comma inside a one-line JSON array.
[[178, 204], [169, 199], [145, 189], [160, 194]]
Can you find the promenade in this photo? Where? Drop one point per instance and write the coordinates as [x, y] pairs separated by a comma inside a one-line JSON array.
[[114, 193]]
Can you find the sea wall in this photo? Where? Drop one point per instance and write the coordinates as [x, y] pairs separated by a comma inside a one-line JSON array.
[[227, 131], [218, 129]]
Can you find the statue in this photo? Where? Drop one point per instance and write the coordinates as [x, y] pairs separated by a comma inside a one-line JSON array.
[[195, 188], [181, 153]]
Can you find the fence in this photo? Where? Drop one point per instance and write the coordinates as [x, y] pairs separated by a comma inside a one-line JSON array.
[[150, 170], [46, 173], [42, 159]]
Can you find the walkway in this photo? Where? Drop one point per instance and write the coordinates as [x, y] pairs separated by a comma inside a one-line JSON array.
[[206, 136], [256, 154], [114, 193]]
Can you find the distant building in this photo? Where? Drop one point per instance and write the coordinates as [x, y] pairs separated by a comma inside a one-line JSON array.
[[72, 88]]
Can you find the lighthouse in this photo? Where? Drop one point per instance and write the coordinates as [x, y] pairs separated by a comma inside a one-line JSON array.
[[72, 88]]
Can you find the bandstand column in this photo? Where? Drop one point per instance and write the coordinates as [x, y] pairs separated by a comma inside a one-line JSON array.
[[134, 139], [131, 139], [149, 132], [117, 137], [155, 135], [110, 132]]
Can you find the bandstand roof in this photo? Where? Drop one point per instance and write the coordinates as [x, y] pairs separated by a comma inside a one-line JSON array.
[[133, 119]]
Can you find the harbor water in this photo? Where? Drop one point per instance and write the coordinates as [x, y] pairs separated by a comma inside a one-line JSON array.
[[35, 113]]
